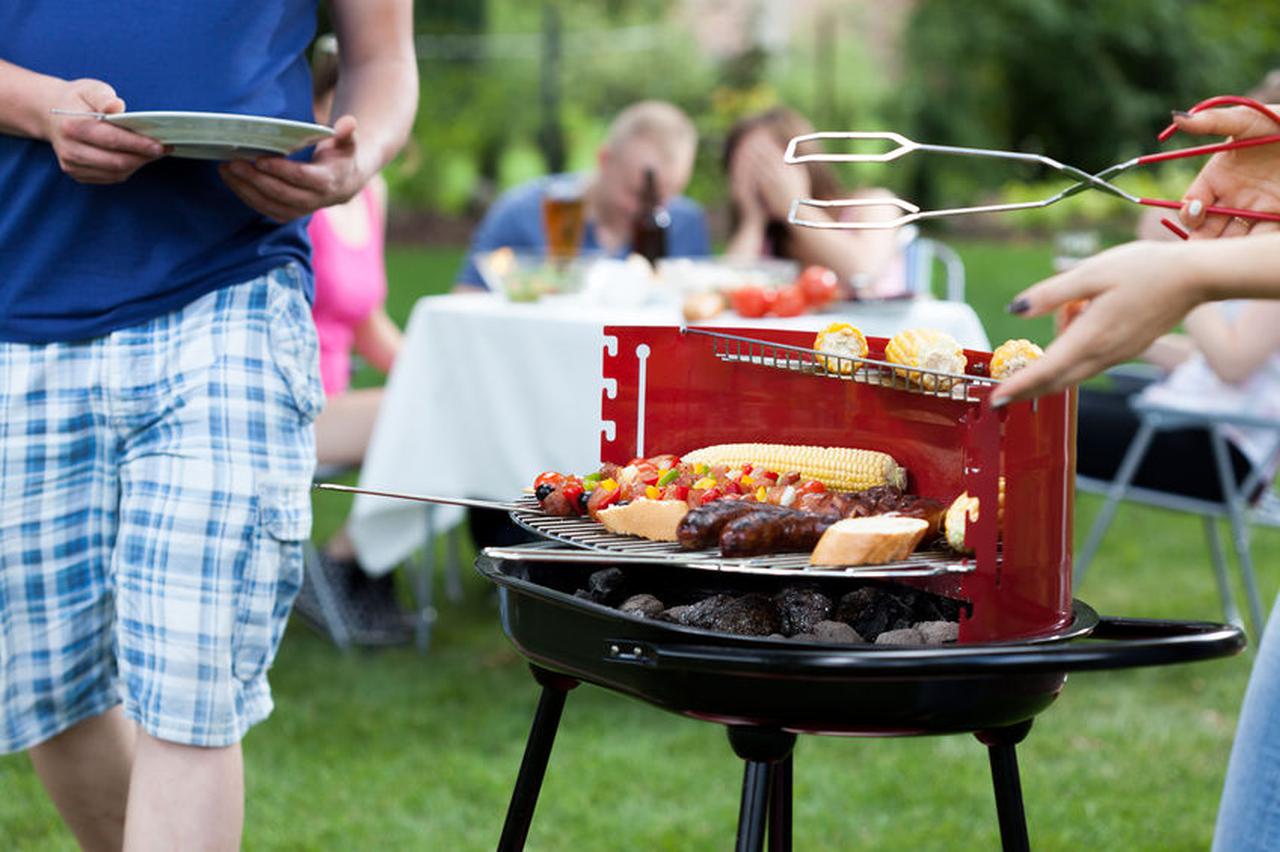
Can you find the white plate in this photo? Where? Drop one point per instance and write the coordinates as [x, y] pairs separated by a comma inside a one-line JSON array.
[[220, 135]]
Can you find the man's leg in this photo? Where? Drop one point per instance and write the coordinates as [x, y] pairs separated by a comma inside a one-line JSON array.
[[85, 770], [185, 797]]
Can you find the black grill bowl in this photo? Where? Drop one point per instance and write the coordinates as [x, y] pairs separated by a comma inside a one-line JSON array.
[[814, 688]]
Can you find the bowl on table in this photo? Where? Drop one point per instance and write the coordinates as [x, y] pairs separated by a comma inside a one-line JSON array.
[[528, 276]]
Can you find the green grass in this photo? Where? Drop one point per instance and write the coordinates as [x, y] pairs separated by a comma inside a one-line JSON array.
[[392, 750]]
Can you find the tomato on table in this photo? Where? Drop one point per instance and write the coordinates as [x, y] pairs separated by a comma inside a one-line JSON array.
[[751, 301], [819, 284], [791, 302]]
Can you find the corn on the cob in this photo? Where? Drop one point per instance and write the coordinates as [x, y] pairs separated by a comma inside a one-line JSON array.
[[927, 349], [838, 468], [963, 509], [1011, 356], [841, 338]]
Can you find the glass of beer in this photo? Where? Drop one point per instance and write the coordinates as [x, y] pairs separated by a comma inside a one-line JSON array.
[[563, 217]]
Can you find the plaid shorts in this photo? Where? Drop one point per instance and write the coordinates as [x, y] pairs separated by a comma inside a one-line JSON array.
[[154, 497]]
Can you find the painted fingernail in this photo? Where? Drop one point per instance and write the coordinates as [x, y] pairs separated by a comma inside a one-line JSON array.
[[1019, 305], [1194, 208], [1181, 113]]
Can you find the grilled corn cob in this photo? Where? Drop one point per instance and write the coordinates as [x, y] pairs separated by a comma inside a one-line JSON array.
[[842, 339], [963, 509], [1011, 356], [925, 349], [838, 468]]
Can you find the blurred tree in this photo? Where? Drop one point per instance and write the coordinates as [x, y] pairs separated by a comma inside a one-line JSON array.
[[1089, 82]]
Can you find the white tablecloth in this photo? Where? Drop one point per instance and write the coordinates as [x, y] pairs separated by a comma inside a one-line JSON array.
[[487, 393]]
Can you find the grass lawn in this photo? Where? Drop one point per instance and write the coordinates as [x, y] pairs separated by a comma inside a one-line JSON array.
[[392, 750]]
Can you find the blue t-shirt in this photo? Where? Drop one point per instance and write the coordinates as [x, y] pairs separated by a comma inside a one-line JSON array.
[[78, 261], [515, 220]]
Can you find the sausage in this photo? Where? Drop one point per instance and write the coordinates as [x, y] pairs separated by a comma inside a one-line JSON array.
[[773, 532], [700, 527]]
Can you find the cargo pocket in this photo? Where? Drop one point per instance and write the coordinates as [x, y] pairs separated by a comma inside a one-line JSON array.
[[295, 348], [272, 580]]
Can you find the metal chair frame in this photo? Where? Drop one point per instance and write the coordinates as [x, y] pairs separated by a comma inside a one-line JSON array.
[[1236, 508]]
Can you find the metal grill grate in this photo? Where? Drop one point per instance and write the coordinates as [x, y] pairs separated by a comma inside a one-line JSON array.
[[797, 359], [584, 533]]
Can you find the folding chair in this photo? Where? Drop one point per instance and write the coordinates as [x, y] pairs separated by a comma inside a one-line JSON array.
[[923, 255], [1236, 508], [329, 599]]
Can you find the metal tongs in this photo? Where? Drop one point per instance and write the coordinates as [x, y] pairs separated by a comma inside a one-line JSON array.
[[1100, 181]]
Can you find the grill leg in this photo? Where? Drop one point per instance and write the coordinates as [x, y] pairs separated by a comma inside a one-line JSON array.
[[764, 750], [537, 751], [1000, 745], [780, 805]]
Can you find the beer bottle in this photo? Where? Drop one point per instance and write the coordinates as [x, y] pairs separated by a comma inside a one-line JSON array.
[[649, 233]]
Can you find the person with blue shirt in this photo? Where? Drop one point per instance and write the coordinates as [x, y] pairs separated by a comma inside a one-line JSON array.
[[648, 134], [158, 379]]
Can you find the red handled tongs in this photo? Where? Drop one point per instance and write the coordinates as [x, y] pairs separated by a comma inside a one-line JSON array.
[[1100, 181]]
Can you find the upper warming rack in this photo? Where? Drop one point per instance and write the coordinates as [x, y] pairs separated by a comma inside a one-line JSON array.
[[733, 348]]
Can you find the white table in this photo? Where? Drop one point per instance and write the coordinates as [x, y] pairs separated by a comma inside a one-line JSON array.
[[487, 393]]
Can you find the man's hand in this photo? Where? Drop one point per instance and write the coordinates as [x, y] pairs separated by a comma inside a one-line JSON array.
[[284, 189], [90, 150], [1138, 292], [1247, 178]]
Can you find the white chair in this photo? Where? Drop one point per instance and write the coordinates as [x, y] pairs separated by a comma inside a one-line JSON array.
[[1239, 511], [923, 256]]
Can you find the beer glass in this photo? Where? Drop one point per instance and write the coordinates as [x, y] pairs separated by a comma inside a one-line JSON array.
[[563, 217]]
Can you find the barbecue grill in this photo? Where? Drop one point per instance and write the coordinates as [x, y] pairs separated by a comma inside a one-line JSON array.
[[672, 390]]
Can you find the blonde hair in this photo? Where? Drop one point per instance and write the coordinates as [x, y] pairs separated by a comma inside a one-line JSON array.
[[659, 122]]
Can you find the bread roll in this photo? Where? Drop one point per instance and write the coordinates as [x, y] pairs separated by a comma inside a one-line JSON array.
[[655, 520], [869, 541]]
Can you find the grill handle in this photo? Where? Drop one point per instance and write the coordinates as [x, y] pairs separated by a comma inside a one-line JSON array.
[[1116, 643]]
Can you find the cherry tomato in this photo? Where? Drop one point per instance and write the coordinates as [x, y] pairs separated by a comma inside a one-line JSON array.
[[750, 301], [790, 303], [548, 477], [731, 487], [813, 486], [819, 284], [709, 495], [572, 491]]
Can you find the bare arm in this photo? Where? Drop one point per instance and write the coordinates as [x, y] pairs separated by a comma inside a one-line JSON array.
[[1169, 350], [88, 150], [379, 340], [376, 100], [1235, 348], [1139, 290]]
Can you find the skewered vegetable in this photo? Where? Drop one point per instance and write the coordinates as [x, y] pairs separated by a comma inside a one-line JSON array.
[[838, 468], [926, 349], [1013, 355], [842, 339]]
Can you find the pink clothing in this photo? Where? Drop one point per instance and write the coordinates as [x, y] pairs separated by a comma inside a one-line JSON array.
[[351, 282]]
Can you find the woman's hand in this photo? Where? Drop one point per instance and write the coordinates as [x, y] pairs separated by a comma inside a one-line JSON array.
[[285, 189], [90, 150], [1138, 290], [1247, 178], [778, 183]]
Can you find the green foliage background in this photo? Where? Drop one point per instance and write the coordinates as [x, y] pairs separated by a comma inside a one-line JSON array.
[[1089, 82]]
